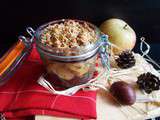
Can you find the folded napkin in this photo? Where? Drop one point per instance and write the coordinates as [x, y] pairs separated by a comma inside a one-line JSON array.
[[21, 96]]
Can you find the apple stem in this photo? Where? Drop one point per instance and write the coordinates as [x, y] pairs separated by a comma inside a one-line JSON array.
[[125, 26]]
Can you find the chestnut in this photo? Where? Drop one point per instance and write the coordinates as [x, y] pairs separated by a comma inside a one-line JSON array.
[[123, 92]]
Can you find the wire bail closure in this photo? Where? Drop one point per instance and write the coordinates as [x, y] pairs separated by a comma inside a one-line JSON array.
[[27, 41], [30, 31]]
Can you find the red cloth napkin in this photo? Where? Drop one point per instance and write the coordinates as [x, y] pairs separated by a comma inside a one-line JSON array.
[[22, 96]]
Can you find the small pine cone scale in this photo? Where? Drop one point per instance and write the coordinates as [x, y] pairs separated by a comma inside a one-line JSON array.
[[148, 82], [126, 60]]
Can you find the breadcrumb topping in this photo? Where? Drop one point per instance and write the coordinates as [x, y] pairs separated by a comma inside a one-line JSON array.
[[68, 34]]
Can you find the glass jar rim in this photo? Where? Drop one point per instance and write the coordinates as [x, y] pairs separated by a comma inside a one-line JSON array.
[[50, 51]]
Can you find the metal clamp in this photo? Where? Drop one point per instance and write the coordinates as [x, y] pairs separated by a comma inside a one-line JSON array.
[[30, 31], [26, 41]]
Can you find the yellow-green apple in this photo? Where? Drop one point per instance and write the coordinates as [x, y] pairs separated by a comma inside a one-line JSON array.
[[120, 34]]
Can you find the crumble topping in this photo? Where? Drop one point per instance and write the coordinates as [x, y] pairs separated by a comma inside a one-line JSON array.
[[68, 34]]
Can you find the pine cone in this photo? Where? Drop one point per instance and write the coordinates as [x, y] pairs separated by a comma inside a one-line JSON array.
[[148, 82], [126, 60]]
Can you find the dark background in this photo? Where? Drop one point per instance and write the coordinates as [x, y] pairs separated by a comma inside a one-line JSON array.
[[142, 15], [16, 15]]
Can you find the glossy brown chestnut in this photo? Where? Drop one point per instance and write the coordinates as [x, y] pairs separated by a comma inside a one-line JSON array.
[[123, 92]]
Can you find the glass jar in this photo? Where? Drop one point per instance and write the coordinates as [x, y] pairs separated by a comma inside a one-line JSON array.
[[69, 66]]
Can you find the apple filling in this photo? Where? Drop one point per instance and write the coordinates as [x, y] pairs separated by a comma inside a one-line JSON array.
[[72, 73], [69, 38]]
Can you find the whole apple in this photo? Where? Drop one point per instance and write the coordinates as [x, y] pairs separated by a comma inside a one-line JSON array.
[[120, 34]]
